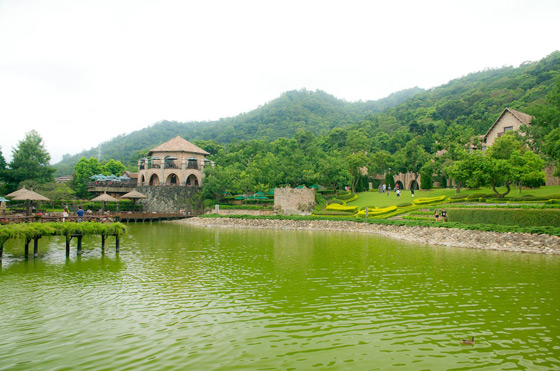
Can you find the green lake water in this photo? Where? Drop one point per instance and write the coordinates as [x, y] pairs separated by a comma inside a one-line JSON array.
[[179, 297]]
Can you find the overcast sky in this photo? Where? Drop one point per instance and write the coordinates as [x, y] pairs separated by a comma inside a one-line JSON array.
[[82, 72]]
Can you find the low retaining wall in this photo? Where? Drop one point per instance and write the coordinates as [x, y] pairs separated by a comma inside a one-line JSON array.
[[169, 199]]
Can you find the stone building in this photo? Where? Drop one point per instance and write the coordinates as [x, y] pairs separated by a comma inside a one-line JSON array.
[[512, 120], [509, 120], [176, 162]]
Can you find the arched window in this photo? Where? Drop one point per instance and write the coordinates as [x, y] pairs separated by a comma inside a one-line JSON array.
[[414, 185], [172, 179], [399, 184], [192, 180], [154, 180]]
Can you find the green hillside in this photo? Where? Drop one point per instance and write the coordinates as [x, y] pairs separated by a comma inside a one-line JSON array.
[[473, 101], [315, 111]]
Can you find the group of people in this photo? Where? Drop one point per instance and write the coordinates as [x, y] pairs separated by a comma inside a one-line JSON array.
[[440, 215], [79, 213], [387, 188]]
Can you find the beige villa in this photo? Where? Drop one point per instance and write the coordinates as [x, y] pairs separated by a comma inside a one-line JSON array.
[[509, 120], [176, 162], [512, 120]]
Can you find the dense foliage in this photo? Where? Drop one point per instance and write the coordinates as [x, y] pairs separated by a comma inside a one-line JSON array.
[[520, 217], [465, 106], [30, 161], [86, 168]]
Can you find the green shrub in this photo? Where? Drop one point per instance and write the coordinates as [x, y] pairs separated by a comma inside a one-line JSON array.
[[518, 217], [478, 196], [333, 213], [404, 204], [459, 196], [426, 181], [245, 207], [335, 201], [345, 197]]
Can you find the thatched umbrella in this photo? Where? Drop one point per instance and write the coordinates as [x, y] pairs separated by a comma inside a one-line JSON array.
[[104, 198], [134, 195], [16, 193], [28, 195]]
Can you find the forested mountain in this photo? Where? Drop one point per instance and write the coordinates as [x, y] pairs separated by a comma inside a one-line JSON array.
[[473, 101], [295, 110]]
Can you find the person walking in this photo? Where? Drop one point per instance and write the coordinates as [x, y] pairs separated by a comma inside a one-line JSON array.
[[65, 214], [398, 193], [436, 215], [412, 192], [443, 215]]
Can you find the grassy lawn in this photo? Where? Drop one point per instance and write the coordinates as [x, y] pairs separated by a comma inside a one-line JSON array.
[[382, 200]]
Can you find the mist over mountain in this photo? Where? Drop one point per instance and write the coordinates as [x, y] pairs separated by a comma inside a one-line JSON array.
[[294, 110], [474, 100]]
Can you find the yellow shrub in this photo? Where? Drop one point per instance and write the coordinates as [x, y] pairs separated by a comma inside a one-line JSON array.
[[429, 200], [376, 211]]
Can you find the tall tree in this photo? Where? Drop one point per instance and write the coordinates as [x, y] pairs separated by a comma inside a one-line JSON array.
[[84, 169], [113, 167], [356, 162], [411, 158], [2, 172], [30, 161]]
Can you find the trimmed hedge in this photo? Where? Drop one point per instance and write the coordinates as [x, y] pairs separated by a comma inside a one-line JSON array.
[[513, 217], [376, 211], [404, 204], [459, 196], [337, 207], [245, 207], [345, 197], [429, 200]]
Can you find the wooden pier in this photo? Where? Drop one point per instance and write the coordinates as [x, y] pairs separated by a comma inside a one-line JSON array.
[[123, 217], [153, 217]]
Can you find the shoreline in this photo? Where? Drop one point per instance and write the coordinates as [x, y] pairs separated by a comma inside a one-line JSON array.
[[511, 242]]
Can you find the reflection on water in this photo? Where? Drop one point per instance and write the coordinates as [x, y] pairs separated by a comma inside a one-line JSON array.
[[182, 297]]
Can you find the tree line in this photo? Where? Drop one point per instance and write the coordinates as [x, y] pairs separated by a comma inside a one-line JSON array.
[[30, 167]]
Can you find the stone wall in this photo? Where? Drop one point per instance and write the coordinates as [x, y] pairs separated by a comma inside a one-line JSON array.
[[551, 180], [294, 201], [169, 199]]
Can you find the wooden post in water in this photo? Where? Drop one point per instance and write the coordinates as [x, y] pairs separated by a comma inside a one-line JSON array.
[[80, 244], [26, 253], [117, 243], [102, 244], [1, 250], [68, 238], [36, 247]]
